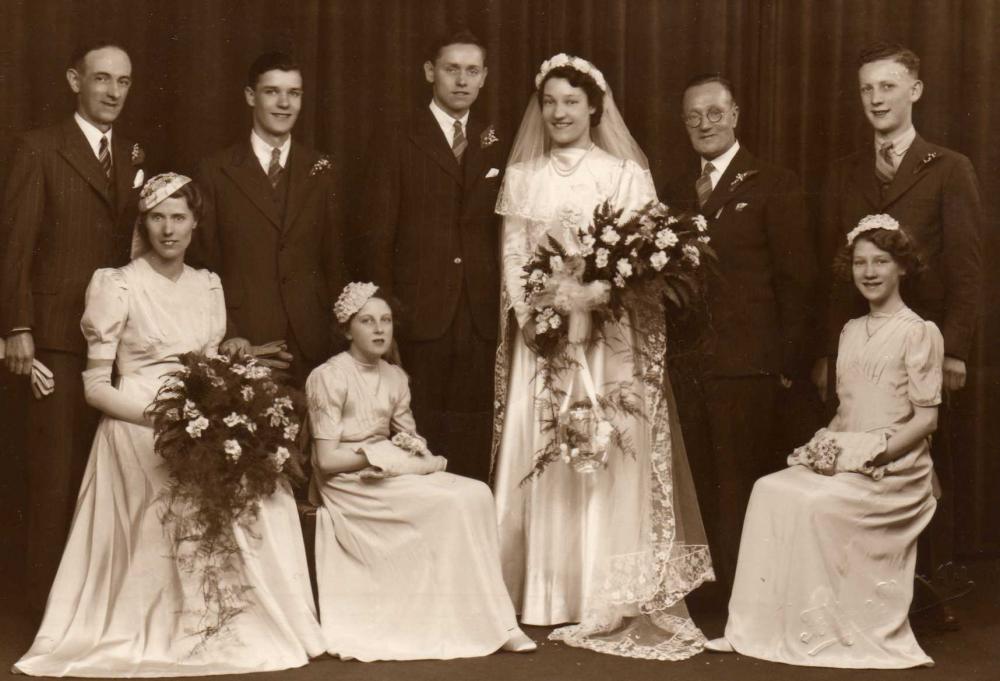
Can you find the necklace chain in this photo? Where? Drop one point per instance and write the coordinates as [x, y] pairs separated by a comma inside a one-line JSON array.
[[572, 169]]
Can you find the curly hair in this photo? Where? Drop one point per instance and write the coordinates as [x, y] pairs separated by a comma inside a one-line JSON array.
[[895, 242], [595, 95], [191, 195]]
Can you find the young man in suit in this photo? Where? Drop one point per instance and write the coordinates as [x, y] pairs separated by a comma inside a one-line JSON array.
[[758, 312], [431, 238], [934, 194], [269, 228], [69, 206]]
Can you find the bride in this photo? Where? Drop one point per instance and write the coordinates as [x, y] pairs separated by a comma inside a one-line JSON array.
[[611, 553]]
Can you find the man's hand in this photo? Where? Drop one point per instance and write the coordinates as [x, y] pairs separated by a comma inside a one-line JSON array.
[[954, 373], [235, 346], [819, 376], [20, 352]]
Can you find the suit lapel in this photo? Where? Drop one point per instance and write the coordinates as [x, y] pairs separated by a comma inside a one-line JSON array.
[[724, 190], [427, 135], [245, 171], [864, 178], [908, 173], [123, 172], [78, 153], [475, 159], [298, 177]]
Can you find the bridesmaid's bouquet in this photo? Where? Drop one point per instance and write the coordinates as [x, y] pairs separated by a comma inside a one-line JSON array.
[[623, 266], [228, 435]]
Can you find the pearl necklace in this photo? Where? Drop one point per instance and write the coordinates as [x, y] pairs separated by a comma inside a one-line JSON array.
[[362, 367], [573, 168]]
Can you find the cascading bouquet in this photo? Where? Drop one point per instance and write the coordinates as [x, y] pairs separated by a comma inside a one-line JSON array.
[[622, 266], [228, 434]]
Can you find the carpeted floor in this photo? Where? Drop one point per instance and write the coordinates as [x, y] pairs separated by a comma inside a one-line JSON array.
[[972, 654]]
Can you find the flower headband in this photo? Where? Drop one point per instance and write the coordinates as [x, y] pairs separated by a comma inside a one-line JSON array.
[[353, 298], [870, 222], [581, 65], [159, 188]]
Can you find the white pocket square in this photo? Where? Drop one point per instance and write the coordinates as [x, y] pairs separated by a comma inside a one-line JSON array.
[[492, 172], [740, 206], [139, 177]]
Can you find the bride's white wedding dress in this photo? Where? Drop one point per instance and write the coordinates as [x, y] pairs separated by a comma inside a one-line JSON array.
[[610, 550]]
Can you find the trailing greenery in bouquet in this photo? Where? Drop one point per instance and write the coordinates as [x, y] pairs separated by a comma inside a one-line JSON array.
[[228, 434], [623, 266]]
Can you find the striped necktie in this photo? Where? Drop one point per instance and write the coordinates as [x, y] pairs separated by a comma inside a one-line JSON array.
[[884, 168], [104, 156], [704, 185], [458, 142], [274, 168]]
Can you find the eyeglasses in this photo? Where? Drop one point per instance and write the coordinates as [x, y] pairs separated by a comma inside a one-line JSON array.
[[693, 119]]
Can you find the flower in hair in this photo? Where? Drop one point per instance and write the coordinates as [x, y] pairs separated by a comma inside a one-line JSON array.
[[577, 63], [353, 298], [870, 222], [159, 188]]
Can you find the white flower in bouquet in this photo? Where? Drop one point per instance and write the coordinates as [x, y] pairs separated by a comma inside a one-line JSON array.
[[233, 450], [610, 236], [601, 257], [536, 277], [291, 432], [659, 260], [692, 255], [619, 281], [233, 419], [666, 238], [247, 393], [191, 410], [555, 321], [258, 371], [276, 417], [556, 263], [284, 403], [587, 241], [704, 238], [632, 237], [672, 219], [602, 435], [238, 369], [701, 223], [624, 268], [196, 427], [278, 457]]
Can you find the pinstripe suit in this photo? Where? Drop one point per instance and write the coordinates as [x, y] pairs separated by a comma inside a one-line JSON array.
[[61, 220]]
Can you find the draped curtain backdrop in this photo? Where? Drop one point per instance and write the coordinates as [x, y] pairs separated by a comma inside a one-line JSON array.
[[793, 62]]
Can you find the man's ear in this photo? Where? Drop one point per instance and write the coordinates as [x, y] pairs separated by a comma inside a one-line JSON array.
[[916, 90], [248, 92], [736, 115], [73, 77], [429, 71]]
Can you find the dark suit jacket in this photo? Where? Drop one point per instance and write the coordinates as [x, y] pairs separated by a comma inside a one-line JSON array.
[[934, 196], [60, 223], [277, 273], [759, 300], [427, 226]]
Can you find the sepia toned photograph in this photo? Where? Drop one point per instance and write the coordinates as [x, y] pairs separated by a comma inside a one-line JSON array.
[[500, 339]]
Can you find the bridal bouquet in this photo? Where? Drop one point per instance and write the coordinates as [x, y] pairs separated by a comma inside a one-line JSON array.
[[228, 435], [622, 265]]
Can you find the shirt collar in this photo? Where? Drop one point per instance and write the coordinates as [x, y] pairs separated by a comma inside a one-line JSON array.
[[721, 162], [262, 150], [447, 121], [900, 143], [92, 133]]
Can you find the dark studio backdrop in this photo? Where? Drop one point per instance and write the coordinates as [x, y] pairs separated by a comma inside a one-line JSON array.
[[793, 62]]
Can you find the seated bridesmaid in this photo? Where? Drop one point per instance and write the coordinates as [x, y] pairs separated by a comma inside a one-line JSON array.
[[825, 573], [407, 556]]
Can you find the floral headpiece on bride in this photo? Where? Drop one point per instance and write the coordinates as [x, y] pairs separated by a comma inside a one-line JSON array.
[[353, 298], [159, 188], [581, 65], [870, 222]]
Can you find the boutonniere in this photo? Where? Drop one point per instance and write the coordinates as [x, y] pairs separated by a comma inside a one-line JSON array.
[[741, 205], [925, 161], [138, 154], [741, 178], [320, 166], [488, 138]]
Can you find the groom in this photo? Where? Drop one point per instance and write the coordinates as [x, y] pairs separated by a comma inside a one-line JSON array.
[[431, 240], [68, 209]]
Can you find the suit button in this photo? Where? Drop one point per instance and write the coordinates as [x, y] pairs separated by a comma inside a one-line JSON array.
[[458, 261]]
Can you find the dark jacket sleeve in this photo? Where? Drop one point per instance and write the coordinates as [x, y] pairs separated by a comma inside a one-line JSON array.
[[21, 222], [961, 226]]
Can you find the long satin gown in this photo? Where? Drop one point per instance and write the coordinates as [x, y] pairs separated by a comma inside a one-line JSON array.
[[408, 566], [615, 551], [120, 606], [825, 573]]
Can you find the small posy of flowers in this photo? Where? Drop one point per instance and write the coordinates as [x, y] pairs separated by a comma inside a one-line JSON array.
[[138, 155], [321, 166], [820, 454], [925, 161], [488, 138], [740, 178], [410, 443], [655, 252]]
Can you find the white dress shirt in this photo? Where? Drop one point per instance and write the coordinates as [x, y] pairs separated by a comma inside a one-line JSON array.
[[720, 163], [93, 135], [900, 144], [262, 150], [447, 122]]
